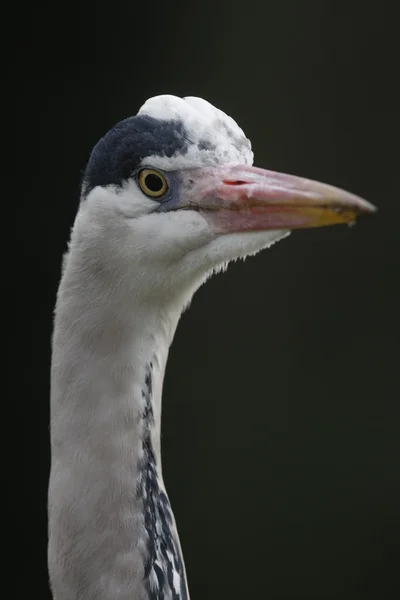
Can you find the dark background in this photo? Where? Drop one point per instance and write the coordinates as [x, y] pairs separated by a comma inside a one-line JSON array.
[[281, 407]]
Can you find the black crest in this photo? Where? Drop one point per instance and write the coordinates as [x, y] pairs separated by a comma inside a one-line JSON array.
[[120, 152]]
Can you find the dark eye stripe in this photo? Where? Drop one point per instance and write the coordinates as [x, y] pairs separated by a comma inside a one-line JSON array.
[[121, 151]]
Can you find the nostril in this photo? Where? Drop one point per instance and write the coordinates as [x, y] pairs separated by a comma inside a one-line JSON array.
[[234, 182]]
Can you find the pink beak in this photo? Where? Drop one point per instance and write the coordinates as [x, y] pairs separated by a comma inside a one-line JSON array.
[[237, 198]]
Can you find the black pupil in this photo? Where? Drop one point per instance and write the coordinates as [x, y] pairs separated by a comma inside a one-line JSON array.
[[153, 182]]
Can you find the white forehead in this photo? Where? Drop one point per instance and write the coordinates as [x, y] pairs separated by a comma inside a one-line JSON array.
[[215, 138]]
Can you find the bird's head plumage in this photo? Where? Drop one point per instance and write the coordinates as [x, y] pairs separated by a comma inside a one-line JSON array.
[[171, 193]]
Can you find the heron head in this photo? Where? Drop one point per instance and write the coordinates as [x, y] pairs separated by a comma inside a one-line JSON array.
[[173, 191]]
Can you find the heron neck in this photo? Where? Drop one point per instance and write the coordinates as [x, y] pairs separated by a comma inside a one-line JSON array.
[[109, 357]]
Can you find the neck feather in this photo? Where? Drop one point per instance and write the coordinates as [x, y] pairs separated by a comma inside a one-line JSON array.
[[112, 531]]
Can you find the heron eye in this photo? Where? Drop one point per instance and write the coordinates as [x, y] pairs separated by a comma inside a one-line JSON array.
[[153, 183]]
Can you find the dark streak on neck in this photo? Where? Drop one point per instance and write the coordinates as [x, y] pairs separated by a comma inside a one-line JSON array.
[[161, 544]]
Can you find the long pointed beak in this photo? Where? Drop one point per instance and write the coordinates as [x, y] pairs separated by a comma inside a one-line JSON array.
[[245, 198]]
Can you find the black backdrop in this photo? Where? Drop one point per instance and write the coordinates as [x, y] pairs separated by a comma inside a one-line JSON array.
[[281, 407]]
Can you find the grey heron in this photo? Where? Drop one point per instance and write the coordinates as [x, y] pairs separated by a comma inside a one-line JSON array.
[[169, 196]]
